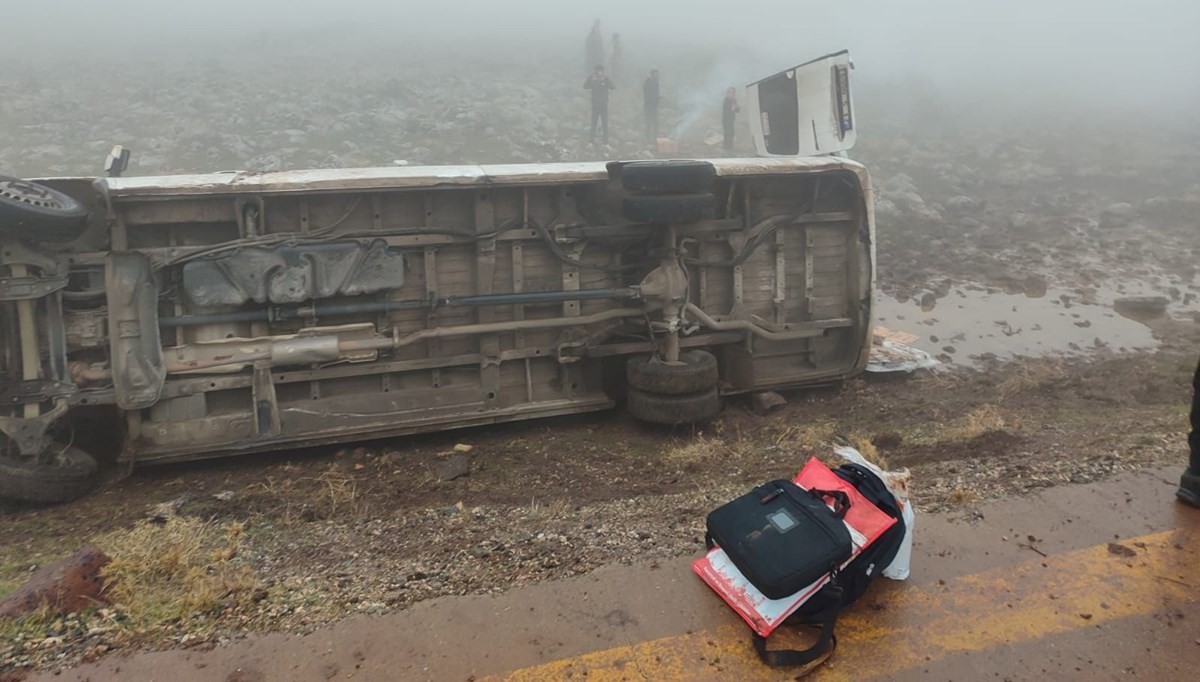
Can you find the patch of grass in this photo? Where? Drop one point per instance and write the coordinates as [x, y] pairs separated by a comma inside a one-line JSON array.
[[29, 626], [700, 449], [961, 496], [977, 422], [1032, 375], [166, 571], [868, 450], [339, 493], [14, 571], [814, 436], [550, 509]]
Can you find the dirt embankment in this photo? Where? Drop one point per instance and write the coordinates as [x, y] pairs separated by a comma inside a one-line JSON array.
[[304, 540]]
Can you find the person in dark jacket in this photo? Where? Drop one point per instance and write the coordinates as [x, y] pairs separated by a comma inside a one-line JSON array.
[[615, 58], [650, 101], [1189, 483], [729, 112], [600, 85], [594, 47]]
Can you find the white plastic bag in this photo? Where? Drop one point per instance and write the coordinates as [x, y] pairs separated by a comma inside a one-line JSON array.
[[897, 483]]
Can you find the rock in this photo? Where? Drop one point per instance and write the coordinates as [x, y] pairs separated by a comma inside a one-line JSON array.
[[767, 401], [1145, 306], [456, 467], [165, 510], [65, 586], [463, 448]]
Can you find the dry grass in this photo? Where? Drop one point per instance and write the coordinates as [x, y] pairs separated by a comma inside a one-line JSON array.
[[814, 436], [1032, 375], [29, 625], [868, 450], [549, 509], [702, 448], [977, 422], [339, 493], [329, 494], [166, 571], [961, 496]]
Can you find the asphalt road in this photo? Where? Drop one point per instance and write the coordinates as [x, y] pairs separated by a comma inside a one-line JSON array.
[[1096, 582]]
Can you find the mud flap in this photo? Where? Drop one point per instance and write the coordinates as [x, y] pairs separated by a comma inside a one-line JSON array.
[[266, 405], [137, 358]]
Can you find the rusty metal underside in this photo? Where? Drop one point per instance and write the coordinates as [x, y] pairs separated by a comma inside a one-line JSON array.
[[247, 312]]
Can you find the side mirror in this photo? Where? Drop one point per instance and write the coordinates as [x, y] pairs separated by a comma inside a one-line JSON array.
[[116, 162]]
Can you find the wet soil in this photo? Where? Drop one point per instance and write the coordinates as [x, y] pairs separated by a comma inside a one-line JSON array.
[[370, 529]]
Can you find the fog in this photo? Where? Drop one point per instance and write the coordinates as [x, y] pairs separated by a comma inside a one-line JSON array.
[[140, 72], [1105, 50]]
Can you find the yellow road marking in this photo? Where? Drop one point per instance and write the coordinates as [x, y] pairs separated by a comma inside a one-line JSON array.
[[1035, 599]]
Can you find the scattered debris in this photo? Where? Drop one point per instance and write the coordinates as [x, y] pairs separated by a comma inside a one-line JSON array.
[[1117, 549], [891, 352], [463, 448], [765, 402], [67, 585], [165, 510], [455, 467], [223, 496]]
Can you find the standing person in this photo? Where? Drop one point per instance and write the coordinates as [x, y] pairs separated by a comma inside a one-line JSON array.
[[729, 112], [614, 59], [600, 85], [650, 101], [594, 49], [1189, 483]]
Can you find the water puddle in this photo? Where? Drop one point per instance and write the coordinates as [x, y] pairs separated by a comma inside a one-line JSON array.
[[970, 322]]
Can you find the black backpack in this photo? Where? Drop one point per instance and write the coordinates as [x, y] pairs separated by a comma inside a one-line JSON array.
[[782, 537], [848, 584]]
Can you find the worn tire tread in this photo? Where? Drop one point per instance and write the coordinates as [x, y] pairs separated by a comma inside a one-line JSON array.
[[27, 481], [42, 224], [673, 410], [697, 373]]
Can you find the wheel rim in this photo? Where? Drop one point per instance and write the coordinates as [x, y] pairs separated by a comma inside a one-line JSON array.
[[29, 193]]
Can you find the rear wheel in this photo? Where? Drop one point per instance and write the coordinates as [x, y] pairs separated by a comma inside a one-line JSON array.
[[696, 371], [67, 475], [39, 213], [672, 410]]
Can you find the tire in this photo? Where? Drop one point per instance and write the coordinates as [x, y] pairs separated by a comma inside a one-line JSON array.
[[672, 410], [39, 213], [667, 208], [73, 474], [668, 177], [697, 373]]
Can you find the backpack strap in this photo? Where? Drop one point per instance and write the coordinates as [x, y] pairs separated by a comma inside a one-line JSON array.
[[790, 658]]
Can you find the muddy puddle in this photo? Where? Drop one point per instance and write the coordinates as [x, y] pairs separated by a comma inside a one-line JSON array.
[[971, 322]]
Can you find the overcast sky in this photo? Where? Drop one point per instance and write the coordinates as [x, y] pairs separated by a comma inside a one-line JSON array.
[[1144, 52]]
